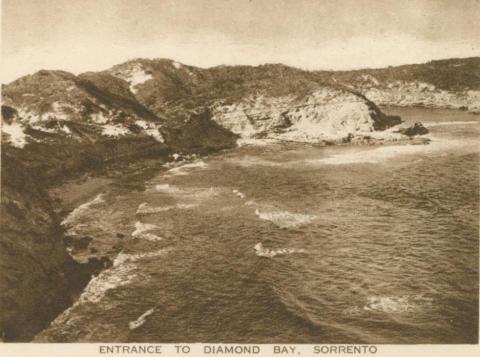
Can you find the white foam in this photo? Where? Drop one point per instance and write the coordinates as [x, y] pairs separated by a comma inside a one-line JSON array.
[[142, 229], [145, 209], [97, 288], [384, 153], [249, 161], [186, 205], [188, 193], [285, 219], [121, 273], [238, 193], [396, 304], [17, 136], [124, 258], [442, 123], [81, 211], [261, 251], [184, 169], [132, 325], [116, 276], [201, 193], [167, 188]]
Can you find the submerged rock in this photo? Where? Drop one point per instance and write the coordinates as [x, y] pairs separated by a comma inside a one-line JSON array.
[[415, 129]]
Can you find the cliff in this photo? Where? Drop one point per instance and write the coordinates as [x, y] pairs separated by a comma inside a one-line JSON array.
[[38, 278]]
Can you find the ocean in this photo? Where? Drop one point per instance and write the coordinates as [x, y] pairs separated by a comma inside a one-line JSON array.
[[292, 243]]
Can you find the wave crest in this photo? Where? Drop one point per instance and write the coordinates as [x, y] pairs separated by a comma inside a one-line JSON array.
[[285, 219], [261, 251], [144, 208], [82, 211], [183, 170], [396, 304], [142, 229], [442, 123], [132, 325]]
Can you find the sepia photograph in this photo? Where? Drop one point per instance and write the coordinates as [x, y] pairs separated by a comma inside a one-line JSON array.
[[240, 173]]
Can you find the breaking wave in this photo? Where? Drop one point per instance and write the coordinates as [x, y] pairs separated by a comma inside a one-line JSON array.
[[285, 219], [261, 251], [187, 193], [396, 304], [384, 153], [167, 188], [132, 325], [249, 161], [142, 229], [442, 123], [184, 169], [144, 208], [238, 193], [82, 211], [122, 272]]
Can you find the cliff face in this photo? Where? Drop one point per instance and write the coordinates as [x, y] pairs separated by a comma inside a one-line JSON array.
[[452, 83], [37, 276], [325, 114], [408, 94]]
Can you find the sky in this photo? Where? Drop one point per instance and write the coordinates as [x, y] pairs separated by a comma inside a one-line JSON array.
[[90, 35]]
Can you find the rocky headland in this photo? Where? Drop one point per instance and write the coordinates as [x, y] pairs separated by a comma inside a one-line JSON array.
[[446, 84]]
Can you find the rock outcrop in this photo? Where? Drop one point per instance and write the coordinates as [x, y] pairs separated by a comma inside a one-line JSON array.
[[415, 129], [408, 94], [324, 115]]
